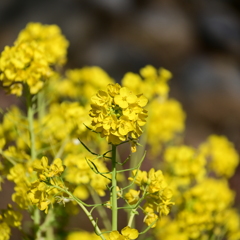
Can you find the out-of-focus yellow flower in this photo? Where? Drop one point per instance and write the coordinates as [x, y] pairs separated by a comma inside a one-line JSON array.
[[5, 231], [49, 37], [154, 82], [205, 209], [223, 158], [151, 218], [185, 164], [39, 196], [81, 192], [11, 217], [29, 60], [80, 84], [82, 235], [79, 173], [169, 118]]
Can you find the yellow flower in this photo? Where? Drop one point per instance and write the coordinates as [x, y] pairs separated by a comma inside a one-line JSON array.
[[151, 218], [5, 231], [56, 168], [49, 37], [82, 235], [125, 98], [29, 61], [158, 194], [45, 171], [11, 217], [132, 196], [130, 233], [154, 82], [39, 196], [115, 235], [223, 158], [127, 233]]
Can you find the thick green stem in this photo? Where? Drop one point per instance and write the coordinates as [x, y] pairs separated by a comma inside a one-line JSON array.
[[114, 190]]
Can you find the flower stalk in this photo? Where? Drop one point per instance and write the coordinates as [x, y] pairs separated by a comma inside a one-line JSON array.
[[114, 190]]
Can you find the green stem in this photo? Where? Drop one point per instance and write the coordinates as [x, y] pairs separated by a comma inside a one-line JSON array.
[[131, 218], [41, 105], [94, 223], [101, 210], [114, 190], [47, 225], [11, 160], [134, 162], [30, 114], [37, 220]]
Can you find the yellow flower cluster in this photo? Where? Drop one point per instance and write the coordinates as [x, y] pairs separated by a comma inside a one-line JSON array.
[[152, 82], [118, 114], [82, 84], [29, 60], [203, 212], [158, 194], [223, 158], [169, 118], [5, 230], [185, 164], [202, 201], [165, 113], [50, 38], [40, 193], [18, 174], [9, 218], [63, 122]]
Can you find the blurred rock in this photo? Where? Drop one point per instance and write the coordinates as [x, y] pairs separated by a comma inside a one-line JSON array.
[[220, 28], [162, 30], [211, 88]]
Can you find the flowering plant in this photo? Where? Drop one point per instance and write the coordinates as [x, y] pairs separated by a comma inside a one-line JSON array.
[[80, 144]]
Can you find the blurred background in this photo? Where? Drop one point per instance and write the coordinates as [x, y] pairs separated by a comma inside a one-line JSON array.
[[197, 40]]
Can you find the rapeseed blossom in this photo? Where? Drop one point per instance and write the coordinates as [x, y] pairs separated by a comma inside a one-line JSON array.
[[157, 194], [164, 112], [118, 114], [81, 84], [29, 61], [204, 209], [185, 164], [40, 192], [169, 116], [151, 81], [194, 178], [223, 158], [5, 230]]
